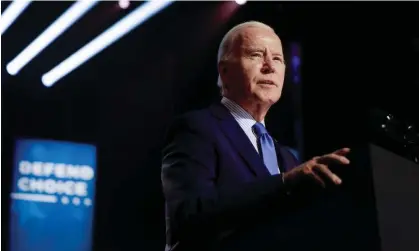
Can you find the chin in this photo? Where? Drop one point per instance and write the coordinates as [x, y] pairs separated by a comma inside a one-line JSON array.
[[268, 99]]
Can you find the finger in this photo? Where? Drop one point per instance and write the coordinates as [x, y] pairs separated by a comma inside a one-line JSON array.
[[329, 174], [333, 158], [318, 179], [341, 159], [342, 151]]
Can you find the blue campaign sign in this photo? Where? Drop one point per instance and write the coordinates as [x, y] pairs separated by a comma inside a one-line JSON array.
[[52, 196]]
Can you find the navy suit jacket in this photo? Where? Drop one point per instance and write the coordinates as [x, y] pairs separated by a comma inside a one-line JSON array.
[[218, 193]]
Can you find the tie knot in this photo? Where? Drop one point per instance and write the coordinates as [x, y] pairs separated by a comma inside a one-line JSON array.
[[259, 129]]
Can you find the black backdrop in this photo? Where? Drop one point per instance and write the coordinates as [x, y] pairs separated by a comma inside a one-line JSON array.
[[355, 56]]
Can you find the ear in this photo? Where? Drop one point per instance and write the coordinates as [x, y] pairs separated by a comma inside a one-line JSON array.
[[222, 68], [222, 71]]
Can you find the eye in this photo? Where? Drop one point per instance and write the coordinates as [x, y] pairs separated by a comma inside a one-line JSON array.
[[256, 54], [278, 59]]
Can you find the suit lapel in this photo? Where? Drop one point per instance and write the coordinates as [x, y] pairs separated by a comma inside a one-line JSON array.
[[239, 139]]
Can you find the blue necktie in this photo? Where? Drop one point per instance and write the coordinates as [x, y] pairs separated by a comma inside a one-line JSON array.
[[266, 148]]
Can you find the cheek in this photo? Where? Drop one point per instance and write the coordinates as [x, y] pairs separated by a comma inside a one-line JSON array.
[[245, 75], [281, 72], [252, 72]]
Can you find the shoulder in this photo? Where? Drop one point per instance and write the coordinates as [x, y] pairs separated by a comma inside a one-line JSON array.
[[197, 121]]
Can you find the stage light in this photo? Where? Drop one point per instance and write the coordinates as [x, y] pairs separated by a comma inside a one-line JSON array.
[[11, 13], [60, 25], [124, 4], [240, 2], [109, 36]]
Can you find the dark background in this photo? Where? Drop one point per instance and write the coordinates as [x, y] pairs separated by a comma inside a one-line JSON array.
[[356, 56]]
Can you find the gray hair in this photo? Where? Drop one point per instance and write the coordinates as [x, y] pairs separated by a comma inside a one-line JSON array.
[[227, 43]]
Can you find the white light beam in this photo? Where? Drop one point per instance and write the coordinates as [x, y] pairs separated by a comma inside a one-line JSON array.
[[11, 13], [61, 24], [116, 31]]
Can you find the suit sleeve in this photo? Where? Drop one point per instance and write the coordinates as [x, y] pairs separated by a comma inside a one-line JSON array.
[[194, 201]]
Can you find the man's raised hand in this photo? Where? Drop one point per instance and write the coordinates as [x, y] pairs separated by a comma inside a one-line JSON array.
[[317, 169]]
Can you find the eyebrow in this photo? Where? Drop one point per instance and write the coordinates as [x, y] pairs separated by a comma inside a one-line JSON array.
[[256, 49], [253, 49], [277, 54]]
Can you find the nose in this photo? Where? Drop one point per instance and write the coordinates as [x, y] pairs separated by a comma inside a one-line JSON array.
[[268, 66]]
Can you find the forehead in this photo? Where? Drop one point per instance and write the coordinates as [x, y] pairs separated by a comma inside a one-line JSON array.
[[258, 37]]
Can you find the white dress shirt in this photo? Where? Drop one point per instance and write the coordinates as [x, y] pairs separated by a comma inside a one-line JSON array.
[[245, 120]]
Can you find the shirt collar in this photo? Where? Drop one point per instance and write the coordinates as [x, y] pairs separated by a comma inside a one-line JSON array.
[[238, 112]]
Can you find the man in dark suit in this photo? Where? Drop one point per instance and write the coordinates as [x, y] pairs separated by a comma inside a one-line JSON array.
[[227, 184]]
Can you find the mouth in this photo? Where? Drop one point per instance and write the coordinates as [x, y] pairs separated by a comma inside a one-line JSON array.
[[266, 83]]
